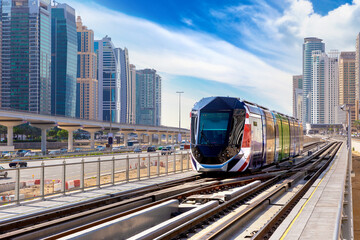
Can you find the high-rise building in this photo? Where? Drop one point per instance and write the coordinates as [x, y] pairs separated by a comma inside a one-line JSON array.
[[125, 89], [357, 75], [132, 96], [331, 86], [87, 83], [297, 94], [26, 55], [63, 60], [310, 44], [347, 81], [148, 97], [109, 79], [319, 60], [324, 96]]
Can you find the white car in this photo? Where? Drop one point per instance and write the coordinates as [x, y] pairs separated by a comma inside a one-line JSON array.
[[3, 172]]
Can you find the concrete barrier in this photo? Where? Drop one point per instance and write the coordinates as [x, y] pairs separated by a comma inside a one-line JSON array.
[[355, 145], [10, 186], [57, 187]]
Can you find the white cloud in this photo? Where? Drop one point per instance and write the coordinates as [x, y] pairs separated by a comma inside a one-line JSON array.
[[187, 21], [187, 53], [279, 36]]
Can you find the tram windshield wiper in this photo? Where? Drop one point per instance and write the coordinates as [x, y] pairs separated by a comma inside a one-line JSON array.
[[203, 136]]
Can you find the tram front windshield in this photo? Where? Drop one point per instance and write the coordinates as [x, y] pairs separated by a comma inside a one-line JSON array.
[[213, 128]]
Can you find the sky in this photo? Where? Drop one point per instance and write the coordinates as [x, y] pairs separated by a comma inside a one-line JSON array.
[[248, 49]]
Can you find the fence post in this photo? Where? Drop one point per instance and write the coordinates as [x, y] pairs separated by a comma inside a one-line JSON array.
[[138, 167], [17, 185], [167, 164], [174, 163], [181, 162], [98, 173], [113, 171], [82, 175], [63, 187], [158, 165], [127, 168], [148, 165], [42, 181], [188, 159]]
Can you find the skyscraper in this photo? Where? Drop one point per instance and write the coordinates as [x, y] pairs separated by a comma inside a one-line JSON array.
[[319, 60], [332, 86], [324, 96], [347, 81], [148, 97], [132, 96], [125, 91], [26, 55], [357, 74], [63, 60], [109, 79], [297, 96], [310, 44], [87, 83]]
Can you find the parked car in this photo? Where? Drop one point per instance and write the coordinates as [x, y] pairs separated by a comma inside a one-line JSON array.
[[182, 147], [63, 150], [3, 172], [160, 147], [3, 153], [151, 149], [100, 148], [116, 149], [21, 152], [15, 162], [167, 150], [30, 154], [137, 150], [10, 155], [54, 152]]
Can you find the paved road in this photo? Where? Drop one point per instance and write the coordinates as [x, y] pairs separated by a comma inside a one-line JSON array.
[[73, 171]]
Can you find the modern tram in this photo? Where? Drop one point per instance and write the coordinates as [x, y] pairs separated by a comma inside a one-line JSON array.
[[230, 135]]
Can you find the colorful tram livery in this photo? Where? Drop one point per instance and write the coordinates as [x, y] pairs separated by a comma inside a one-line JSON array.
[[229, 135]]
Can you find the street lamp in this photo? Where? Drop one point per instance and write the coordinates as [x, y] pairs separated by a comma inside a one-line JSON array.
[[347, 109], [179, 111]]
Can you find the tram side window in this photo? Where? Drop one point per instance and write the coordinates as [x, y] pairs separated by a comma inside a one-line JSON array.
[[193, 128]]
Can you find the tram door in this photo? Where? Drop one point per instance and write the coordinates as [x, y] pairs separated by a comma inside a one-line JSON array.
[[256, 140]]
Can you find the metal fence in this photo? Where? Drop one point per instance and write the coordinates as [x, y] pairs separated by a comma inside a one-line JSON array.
[[46, 180]]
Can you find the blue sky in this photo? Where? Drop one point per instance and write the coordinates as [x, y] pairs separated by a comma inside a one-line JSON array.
[[246, 48]]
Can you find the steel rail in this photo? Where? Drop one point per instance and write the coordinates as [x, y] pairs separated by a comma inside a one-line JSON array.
[[208, 215], [216, 186], [224, 229], [45, 216], [268, 229]]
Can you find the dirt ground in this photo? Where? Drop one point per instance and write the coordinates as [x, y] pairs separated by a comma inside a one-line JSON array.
[[356, 194]]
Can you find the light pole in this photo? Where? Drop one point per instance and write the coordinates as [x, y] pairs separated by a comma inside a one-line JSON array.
[[179, 111], [347, 109]]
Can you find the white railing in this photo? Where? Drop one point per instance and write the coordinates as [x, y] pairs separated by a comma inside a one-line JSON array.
[[46, 180]]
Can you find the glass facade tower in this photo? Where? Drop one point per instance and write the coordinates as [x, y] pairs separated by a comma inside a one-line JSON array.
[[26, 55], [310, 44], [109, 79], [125, 92], [148, 97], [63, 61]]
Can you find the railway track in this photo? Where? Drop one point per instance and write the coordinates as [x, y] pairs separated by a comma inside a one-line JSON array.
[[59, 223]]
